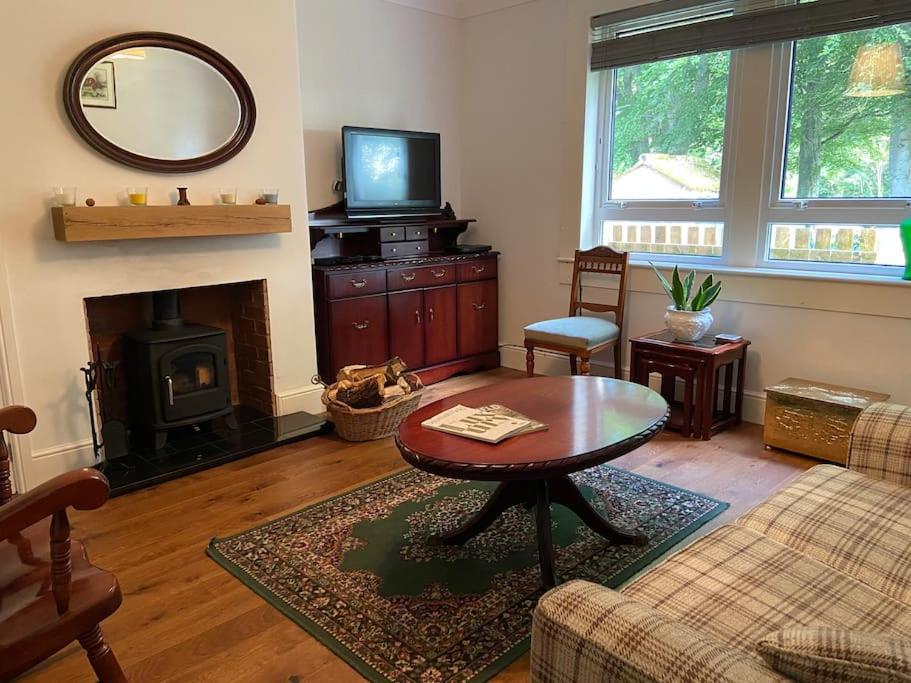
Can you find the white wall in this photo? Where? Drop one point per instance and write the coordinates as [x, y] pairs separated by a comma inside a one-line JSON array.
[[524, 91], [41, 304], [378, 64]]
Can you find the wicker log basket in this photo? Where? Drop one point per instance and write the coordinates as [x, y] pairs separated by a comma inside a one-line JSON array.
[[375, 421]]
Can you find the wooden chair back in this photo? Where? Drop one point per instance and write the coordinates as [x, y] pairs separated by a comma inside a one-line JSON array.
[[603, 261], [14, 420]]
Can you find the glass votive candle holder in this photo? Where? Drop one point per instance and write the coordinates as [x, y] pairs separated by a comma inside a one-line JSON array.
[[64, 196], [138, 196], [269, 195], [227, 195]]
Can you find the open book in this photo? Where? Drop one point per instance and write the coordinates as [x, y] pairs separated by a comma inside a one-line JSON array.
[[491, 423]]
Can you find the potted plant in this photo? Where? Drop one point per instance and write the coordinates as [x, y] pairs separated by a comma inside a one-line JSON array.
[[689, 317]]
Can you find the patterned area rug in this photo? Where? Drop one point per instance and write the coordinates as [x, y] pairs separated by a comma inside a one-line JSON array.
[[358, 573]]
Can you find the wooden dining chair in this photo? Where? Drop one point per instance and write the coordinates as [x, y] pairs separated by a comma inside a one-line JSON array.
[[580, 335], [50, 595]]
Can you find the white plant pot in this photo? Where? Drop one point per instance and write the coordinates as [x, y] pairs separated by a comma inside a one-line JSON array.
[[688, 325]]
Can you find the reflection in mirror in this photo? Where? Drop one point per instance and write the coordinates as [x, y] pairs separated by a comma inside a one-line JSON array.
[[160, 103]]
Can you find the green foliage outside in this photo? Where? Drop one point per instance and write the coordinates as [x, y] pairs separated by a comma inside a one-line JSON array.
[[838, 146]]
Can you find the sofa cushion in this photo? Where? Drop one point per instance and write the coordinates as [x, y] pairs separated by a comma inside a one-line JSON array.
[[577, 332], [853, 523], [827, 655], [739, 586]]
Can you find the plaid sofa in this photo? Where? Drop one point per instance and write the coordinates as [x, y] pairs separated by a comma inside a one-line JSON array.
[[832, 549]]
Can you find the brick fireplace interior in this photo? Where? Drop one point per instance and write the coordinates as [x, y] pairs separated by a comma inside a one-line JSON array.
[[240, 309]]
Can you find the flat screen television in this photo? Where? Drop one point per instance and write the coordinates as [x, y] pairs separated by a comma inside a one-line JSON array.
[[390, 172]]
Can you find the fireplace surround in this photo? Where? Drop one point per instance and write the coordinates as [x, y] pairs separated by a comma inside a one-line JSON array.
[[188, 374], [237, 311]]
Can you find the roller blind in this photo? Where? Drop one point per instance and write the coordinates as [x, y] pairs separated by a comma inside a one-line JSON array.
[[677, 28]]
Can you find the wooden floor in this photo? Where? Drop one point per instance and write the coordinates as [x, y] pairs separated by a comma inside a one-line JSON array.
[[184, 618]]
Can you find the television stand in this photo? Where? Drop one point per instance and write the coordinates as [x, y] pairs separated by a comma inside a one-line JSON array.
[[388, 237], [409, 294]]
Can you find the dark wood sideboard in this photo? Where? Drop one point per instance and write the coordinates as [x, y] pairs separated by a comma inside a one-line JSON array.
[[437, 310]]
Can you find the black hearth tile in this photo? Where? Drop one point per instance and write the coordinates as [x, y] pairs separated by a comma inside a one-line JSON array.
[[292, 425], [246, 438], [189, 451], [192, 456]]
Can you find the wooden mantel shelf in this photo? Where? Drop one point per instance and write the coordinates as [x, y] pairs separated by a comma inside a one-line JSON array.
[[97, 223]]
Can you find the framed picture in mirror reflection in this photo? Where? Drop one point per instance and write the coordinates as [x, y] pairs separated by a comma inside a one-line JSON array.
[[99, 88]]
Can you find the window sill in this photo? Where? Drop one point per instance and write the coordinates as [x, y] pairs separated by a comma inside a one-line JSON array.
[[780, 273], [796, 274]]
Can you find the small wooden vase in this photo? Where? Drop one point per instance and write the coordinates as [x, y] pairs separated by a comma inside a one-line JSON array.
[[182, 197]]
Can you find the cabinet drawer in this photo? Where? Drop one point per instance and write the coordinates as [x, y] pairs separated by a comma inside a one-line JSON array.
[[358, 329], [415, 232], [356, 283], [396, 234], [482, 269], [403, 249], [425, 276]]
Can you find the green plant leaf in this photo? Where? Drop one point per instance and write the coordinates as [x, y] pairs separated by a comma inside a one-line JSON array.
[[677, 284], [710, 295], [688, 285], [696, 304], [663, 281]]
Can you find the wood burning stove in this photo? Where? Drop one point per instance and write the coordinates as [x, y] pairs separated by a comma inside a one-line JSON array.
[[177, 372]]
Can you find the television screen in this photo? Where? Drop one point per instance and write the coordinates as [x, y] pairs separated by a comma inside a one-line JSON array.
[[391, 170]]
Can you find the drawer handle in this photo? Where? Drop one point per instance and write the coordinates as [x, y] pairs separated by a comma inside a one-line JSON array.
[[408, 277], [417, 316], [430, 312], [357, 284], [478, 269], [438, 273], [393, 234], [361, 326], [479, 307], [417, 248]]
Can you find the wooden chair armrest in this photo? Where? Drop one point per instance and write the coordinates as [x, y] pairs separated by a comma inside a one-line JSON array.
[[84, 489], [17, 419]]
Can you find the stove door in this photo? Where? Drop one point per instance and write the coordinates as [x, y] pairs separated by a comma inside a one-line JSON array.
[[194, 382]]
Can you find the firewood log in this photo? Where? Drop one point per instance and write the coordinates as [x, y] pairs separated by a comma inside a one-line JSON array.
[[367, 393]]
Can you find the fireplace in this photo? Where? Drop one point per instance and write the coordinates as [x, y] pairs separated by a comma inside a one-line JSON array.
[[177, 372], [184, 382]]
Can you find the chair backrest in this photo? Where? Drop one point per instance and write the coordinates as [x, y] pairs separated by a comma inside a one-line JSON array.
[[604, 261], [15, 420]]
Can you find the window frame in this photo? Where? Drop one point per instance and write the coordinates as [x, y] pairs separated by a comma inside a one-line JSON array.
[[660, 210], [759, 78], [776, 209]]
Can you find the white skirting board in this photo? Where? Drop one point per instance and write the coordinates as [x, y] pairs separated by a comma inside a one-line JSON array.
[[550, 363], [49, 462]]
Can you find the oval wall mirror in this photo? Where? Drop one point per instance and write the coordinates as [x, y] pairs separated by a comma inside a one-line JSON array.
[[159, 102]]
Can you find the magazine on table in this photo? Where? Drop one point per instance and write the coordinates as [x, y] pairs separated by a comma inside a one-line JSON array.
[[491, 423]]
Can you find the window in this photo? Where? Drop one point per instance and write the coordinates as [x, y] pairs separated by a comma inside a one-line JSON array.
[[666, 136], [791, 155], [665, 145], [849, 119]]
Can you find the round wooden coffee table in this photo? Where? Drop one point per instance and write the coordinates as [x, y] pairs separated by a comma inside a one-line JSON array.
[[590, 420]]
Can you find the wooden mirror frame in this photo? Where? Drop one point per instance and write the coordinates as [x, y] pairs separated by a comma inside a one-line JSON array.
[[72, 86]]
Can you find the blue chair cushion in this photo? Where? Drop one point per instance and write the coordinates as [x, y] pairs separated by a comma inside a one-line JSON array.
[[577, 332]]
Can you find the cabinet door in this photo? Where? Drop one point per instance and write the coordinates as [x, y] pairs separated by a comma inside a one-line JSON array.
[[477, 304], [440, 317], [406, 327], [358, 332]]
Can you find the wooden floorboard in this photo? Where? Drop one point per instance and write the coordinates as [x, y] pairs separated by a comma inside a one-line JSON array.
[[186, 619]]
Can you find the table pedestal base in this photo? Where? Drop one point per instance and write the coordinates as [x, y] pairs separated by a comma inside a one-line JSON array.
[[540, 495]]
